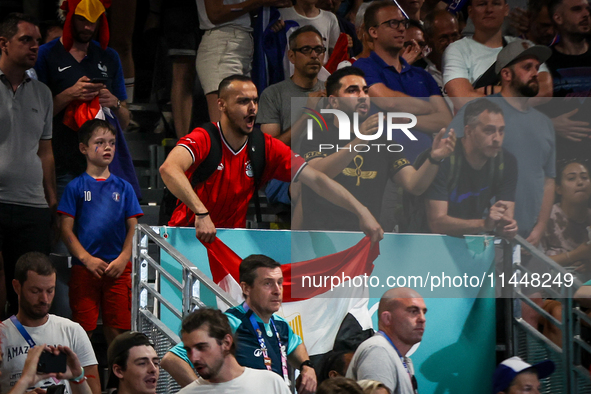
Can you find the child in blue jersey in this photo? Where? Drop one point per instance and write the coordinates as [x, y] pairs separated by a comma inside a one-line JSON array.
[[99, 214]]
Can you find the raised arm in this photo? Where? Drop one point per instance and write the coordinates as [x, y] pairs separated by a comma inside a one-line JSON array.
[[417, 181]]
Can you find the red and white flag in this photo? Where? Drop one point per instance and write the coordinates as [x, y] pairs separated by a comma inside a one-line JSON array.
[[313, 308]]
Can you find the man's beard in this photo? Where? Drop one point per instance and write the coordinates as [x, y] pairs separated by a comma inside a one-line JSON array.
[[30, 312], [528, 89]]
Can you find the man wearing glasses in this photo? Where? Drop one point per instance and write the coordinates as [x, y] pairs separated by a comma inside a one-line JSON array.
[[306, 53], [388, 75]]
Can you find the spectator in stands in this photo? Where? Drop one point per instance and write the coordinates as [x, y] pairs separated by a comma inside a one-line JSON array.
[[50, 30], [227, 46], [35, 285], [306, 53], [363, 172], [467, 63], [339, 385], [459, 198], [27, 188], [134, 366], [238, 104], [415, 46], [373, 387], [101, 251], [261, 281], [401, 322], [345, 25], [334, 364], [566, 239], [29, 377], [67, 66], [412, 8], [535, 24], [305, 12], [570, 65], [207, 338], [514, 376], [441, 29], [389, 75], [529, 135]]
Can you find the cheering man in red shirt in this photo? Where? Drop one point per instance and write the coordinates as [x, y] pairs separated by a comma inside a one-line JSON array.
[[222, 200]]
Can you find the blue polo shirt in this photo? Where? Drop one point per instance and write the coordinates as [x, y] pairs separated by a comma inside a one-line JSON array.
[[413, 81]]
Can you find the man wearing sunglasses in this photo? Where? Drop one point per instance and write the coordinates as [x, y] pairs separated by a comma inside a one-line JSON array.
[[409, 88]]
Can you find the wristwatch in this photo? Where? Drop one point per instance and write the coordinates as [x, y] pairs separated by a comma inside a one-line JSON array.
[[307, 363], [118, 104]]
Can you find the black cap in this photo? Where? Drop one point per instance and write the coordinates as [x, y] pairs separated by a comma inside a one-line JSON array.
[[121, 344]]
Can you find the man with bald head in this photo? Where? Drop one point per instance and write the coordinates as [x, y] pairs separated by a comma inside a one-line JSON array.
[[401, 322], [221, 200]]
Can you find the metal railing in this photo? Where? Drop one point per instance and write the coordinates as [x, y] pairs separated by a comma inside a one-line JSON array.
[[525, 341], [148, 301]]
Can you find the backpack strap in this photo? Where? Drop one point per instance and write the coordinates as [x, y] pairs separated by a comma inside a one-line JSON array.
[[455, 164], [497, 175], [257, 156], [213, 158]]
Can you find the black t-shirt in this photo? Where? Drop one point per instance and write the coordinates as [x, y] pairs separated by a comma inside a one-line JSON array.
[[364, 177], [472, 195], [571, 74], [571, 78]]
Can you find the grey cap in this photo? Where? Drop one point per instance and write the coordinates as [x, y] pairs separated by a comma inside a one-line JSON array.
[[519, 49]]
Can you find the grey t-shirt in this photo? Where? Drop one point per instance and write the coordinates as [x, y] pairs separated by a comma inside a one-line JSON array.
[[376, 359], [275, 103], [25, 118]]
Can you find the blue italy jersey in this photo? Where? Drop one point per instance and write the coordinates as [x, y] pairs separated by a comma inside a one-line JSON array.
[[100, 209]]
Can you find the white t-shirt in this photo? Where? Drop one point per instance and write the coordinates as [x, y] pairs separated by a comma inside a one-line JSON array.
[[252, 381], [326, 23], [242, 22], [469, 59], [56, 331]]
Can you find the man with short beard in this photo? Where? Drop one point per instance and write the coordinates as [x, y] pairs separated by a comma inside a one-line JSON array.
[[529, 135], [33, 325], [363, 172], [207, 338], [68, 66], [570, 65]]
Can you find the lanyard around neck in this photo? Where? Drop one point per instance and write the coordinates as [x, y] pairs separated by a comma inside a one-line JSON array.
[[268, 362]]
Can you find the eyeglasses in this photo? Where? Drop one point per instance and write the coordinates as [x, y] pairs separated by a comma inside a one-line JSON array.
[[395, 23], [308, 50]]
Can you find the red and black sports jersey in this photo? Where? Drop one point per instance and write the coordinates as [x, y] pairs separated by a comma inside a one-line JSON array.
[[227, 192]]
